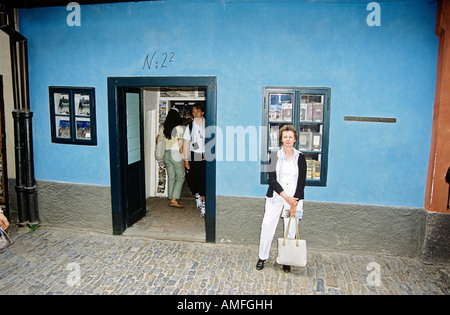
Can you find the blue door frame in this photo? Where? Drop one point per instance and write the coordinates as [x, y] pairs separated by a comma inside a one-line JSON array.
[[115, 147]]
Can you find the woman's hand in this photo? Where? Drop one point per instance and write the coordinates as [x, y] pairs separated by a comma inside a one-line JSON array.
[[3, 222], [293, 211], [292, 201]]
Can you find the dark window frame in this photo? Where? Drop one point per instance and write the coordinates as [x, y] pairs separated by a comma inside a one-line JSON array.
[[319, 128], [73, 123]]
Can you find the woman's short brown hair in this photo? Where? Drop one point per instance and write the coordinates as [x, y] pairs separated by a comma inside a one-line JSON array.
[[286, 128]]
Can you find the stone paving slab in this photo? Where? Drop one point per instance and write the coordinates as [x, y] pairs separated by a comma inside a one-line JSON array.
[[57, 261]]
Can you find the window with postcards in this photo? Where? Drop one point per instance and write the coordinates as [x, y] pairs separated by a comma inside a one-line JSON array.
[[72, 115], [308, 110]]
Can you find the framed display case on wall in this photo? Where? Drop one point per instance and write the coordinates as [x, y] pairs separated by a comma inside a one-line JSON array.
[[72, 115], [308, 110]]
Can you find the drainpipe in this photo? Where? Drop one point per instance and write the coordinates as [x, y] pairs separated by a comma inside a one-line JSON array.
[[23, 136], [30, 188], [18, 148], [27, 115]]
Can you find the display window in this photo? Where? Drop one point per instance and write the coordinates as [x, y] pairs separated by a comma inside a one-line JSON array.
[[72, 115], [308, 110]]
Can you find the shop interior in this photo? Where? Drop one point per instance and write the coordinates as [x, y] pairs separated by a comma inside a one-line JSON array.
[[161, 220]]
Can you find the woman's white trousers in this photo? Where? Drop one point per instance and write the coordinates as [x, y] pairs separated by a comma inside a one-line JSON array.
[[274, 207]]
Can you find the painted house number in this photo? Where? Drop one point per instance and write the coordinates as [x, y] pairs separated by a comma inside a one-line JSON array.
[[158, 61]]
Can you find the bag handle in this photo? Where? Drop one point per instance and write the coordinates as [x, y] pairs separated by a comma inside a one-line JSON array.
[[8, 240], [297, 234]]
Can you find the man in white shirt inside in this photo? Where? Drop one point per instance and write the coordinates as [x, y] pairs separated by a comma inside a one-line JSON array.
[[194, 155]]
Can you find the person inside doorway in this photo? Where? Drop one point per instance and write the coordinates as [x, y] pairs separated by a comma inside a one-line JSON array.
[[194, 156], [172, 130]]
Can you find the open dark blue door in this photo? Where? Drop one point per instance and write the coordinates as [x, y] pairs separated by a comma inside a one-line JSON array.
[[132, 155]]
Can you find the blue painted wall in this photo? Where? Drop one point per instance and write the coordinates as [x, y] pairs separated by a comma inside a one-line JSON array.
[[385, 71]]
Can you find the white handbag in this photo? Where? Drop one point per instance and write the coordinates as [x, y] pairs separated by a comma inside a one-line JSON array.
[[292, 252], [160, 147]]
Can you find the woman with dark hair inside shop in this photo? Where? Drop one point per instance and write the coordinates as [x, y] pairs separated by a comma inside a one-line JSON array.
[[172, 131]]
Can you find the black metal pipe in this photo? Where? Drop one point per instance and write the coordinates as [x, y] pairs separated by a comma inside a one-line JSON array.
[[14, 73], [27, 115], [30, 181], [24, 82], [18, 147]]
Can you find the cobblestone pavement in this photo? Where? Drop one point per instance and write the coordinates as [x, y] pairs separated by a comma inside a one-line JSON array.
[[56, 261]]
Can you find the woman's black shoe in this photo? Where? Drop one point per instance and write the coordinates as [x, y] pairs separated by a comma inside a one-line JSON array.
[[260, 264], [286, 268]]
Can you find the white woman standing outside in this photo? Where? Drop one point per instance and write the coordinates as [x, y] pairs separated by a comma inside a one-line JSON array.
[[287, 176]]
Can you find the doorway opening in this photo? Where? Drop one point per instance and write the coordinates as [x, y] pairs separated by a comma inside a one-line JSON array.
[[161, 220], [140, 207]]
